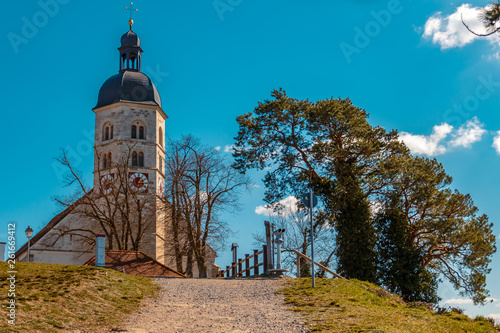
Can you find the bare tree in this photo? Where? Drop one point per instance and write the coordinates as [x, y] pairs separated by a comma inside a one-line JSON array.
[[114, 207], [294, 218], [200, 186]]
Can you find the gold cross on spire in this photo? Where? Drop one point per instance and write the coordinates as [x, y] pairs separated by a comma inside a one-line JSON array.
[[131, 9]]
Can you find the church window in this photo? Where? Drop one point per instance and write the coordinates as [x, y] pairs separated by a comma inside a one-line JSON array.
[[134, 159], [134, 132], [141, 159], [106, 161], [141, 132], [107, 132], [161, 137]]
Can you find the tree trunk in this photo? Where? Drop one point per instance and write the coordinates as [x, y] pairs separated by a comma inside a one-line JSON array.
[[189, 265], [202, 268]]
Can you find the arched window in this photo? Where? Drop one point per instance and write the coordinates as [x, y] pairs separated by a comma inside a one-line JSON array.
[[134, 132], [106, 161], [107, 131], [161, 137], [132, 58], [141, 159], [141, 132], [134, 158]]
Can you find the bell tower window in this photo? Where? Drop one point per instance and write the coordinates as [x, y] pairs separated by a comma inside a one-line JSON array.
[[107, 132], [137, 159], [134, 159], [106, 161], [141, 159], [138, 130], [161, 137]]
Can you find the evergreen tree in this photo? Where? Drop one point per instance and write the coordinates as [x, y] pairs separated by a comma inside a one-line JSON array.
[[400, 261]]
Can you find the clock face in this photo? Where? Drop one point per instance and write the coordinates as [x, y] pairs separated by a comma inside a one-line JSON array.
[[160, 186], [107, 183], [138, 181]]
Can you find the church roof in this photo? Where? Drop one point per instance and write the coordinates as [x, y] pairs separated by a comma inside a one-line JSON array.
[[130, 38], [54, 222], [128, 86], [135, 263]]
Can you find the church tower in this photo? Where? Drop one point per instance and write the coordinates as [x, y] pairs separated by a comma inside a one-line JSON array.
[[130, 128]]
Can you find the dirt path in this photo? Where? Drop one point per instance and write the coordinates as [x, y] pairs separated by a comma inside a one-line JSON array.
[[216, 305]]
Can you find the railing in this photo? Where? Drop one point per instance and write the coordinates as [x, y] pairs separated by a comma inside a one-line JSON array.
[[236, 270], [299, 255]]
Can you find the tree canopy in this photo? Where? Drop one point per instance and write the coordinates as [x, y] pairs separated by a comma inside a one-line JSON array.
[[352, 166]]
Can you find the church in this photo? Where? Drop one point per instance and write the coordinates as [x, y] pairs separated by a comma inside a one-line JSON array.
[[129, 148]]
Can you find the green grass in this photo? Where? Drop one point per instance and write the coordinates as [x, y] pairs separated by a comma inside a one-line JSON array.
[[51, 298], [355, 306]]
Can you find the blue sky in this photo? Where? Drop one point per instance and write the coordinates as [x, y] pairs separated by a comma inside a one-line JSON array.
[[410, 64]]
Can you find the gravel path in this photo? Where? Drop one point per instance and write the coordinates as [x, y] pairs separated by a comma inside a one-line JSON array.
[[216, 305]]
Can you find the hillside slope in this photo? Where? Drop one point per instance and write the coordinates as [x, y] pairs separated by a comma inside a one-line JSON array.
[[52, 297], [355, 306]]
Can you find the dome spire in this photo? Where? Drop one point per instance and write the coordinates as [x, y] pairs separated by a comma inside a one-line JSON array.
[[131, 9]]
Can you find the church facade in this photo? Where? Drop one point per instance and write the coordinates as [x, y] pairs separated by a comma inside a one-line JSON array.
[[129, 149]]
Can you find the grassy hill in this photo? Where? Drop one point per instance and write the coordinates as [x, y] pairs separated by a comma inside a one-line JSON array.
[[62, 297], [355, 306]]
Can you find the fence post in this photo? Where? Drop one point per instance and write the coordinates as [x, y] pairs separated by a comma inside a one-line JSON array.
[[247, 265], [265, 258], [240, 267], [298, 266], [255, 263], [227, 271], [269, 259], [234, 269]]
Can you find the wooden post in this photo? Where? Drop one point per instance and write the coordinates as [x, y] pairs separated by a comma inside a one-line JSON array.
[[255, 263], [265, 259], [240, 267], [247, 265], [269, 259], [234, 269], [227, 271], [298, 266]]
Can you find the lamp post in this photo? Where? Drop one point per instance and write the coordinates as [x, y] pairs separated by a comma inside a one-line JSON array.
[[29, 234]]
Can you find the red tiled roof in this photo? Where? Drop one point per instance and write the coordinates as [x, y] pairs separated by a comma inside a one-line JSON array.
[[135, 263]]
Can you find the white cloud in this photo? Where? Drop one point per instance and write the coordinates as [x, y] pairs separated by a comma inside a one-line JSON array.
[[289, 205], [494, 316], [449, 31], [467, 134], [496, 143], [229, 149], [217, 148], [427, 145], [459, 301]]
